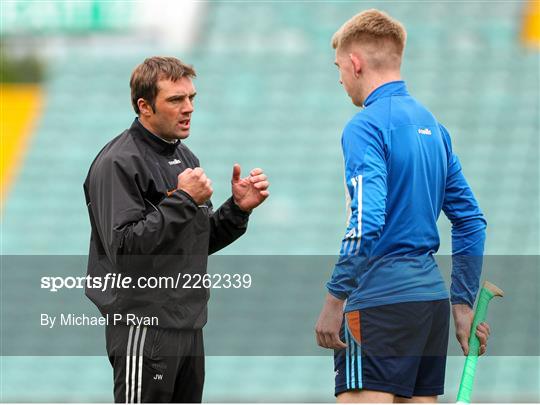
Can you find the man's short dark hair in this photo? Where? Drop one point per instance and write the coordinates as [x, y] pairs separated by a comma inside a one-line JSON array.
[[145, 77]]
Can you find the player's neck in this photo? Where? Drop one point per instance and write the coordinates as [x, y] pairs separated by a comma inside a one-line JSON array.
[[150, 129], [377, 80]]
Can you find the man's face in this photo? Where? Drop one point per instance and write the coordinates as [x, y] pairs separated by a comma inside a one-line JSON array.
[[346, 75], [173, 107]]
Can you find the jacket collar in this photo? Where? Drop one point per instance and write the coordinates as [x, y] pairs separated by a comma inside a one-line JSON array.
[[154, 141], [395, 88]]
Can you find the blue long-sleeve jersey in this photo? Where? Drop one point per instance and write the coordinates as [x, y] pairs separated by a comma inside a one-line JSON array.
[[400, 173]]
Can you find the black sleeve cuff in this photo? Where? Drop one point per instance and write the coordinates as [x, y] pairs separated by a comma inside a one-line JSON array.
[[186, 197], [236, 210]]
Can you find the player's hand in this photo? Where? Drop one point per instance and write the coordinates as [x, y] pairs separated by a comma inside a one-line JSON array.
[[251, 191], [329, 324], [196, 184], [463, 319]]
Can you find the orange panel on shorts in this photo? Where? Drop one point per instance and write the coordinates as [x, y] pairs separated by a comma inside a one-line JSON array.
[[353, 322]]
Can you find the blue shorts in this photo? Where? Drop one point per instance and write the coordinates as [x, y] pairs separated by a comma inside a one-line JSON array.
[[399, 348]]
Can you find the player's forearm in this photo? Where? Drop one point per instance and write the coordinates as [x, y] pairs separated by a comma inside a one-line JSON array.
[[356, 249], [344, 277], [228, 223], [467, 259], [155, 233]]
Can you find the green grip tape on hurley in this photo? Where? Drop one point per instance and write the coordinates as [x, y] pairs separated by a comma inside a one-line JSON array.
[[467, 378]]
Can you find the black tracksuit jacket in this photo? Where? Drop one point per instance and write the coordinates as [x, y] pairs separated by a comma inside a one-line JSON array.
[[141, 227]]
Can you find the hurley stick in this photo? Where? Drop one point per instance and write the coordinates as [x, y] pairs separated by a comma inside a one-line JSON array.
[[467, 378]]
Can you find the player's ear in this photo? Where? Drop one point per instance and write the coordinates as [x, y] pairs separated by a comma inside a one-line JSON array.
[[357, 63], [145, 108]]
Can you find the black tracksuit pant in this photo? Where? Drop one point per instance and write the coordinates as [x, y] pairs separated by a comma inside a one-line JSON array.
[[156, 365]]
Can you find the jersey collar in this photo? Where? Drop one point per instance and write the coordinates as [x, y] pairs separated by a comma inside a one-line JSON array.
[[155, 142], [395, 88]]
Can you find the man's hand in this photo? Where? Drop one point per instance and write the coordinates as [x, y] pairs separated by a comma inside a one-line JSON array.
[[329, 324], [249, 192], [196, 184], [463, 319]]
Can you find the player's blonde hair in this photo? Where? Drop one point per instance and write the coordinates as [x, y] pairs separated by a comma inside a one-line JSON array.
[[382, 36]]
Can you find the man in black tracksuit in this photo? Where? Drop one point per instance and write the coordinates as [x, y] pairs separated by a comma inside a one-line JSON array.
[[151, 216]]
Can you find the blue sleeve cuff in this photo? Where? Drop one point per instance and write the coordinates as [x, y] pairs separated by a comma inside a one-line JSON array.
[[459, 300], [336, 294]]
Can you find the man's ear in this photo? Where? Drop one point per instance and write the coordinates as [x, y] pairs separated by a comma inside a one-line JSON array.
[[144, 107], [357, 63]]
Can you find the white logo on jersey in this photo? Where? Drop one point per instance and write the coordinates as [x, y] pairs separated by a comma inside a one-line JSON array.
[[175, 162], [158, 377], [424, 131]]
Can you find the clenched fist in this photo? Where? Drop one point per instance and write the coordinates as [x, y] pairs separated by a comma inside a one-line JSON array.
[[196, 184]]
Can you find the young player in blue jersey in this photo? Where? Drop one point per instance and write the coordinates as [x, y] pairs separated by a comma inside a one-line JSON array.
[[387, 310]]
